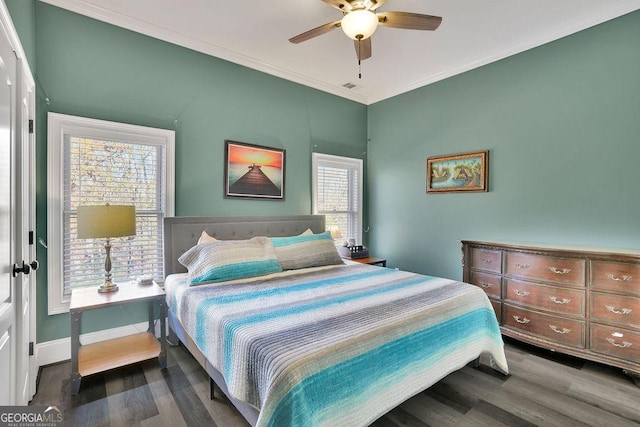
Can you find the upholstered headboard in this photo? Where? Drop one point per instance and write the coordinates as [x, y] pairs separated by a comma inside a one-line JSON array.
[[181, 233]]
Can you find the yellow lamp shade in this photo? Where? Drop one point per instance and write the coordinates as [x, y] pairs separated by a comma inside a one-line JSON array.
[[335, 232], [106, 221]]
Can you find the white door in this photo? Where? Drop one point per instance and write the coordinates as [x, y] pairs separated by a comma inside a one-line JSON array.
[[24, 244], [17, 220], [8, 284]]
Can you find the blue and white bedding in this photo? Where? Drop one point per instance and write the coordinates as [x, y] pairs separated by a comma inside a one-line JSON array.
[[335, 345]]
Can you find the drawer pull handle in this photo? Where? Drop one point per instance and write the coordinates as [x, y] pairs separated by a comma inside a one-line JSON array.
[[619, 279], [613, 310], [487, 260], [522, 266], [486, 285], [560, 271], [554, 328], [625, 344], [524, 320], [520, 293], [560, 301]]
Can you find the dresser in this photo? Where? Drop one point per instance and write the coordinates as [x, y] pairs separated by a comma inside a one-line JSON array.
[[580, 301]]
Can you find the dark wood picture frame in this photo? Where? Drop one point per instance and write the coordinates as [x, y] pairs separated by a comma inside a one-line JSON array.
[[253, 171], [465, 172]]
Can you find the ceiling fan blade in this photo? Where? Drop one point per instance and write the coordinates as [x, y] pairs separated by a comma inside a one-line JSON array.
[[409, 21], [315, 32], [341, 5], [363, 48], [376, 4]]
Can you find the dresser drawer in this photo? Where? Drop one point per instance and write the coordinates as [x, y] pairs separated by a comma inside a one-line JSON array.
[[621, 310], [497, 307], [616, 342], [557, 299], [486, 260], [488, 282], [560, 270], [562, 331], [615, 276]]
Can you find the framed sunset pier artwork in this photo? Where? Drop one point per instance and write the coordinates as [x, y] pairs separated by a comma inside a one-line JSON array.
[[254, 172], [458, 172]]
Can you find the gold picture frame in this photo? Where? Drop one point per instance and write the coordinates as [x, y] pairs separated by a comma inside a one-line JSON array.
[[465, 172]]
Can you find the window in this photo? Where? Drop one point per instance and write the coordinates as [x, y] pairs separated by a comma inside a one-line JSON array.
[[95, 162], [337, 193]]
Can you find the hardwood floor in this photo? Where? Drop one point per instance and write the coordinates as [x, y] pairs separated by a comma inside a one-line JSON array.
[[542, 389]]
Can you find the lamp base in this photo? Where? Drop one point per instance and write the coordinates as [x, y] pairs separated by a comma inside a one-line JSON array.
[[107, 287]]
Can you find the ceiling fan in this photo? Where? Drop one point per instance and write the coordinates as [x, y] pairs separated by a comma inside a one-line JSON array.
[[360, 21]]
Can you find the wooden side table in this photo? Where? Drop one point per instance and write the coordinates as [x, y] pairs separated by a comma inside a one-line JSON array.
[[371, 261], [104, 355]]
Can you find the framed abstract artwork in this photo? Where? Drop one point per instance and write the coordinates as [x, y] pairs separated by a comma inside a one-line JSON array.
[[253, 171], [458, 172]]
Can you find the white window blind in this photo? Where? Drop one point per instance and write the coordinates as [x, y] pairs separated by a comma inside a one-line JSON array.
[[337, 193], [105, 162]]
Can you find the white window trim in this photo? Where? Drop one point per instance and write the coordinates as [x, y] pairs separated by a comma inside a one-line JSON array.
[[60, 125], [339, 161]]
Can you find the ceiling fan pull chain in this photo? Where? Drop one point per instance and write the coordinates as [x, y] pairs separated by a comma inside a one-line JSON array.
[[359, 56]]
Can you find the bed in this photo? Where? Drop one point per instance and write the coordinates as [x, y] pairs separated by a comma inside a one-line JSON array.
[[340, 343]]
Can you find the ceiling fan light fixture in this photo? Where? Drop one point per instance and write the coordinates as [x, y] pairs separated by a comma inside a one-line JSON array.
[[359, 24]]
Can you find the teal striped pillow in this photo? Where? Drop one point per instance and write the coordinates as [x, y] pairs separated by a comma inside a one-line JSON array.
[[313, 250], [230, 259]]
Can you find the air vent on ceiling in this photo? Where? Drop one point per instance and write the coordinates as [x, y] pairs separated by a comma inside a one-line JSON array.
[[349, 85]]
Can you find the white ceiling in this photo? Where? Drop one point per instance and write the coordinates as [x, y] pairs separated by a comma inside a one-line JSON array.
[[255, 34]]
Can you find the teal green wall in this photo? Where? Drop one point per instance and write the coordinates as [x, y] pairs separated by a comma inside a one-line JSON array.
[[92, 69], [23, 14], [562, 124]]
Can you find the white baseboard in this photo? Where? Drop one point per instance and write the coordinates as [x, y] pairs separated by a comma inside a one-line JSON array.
[[55, 351]]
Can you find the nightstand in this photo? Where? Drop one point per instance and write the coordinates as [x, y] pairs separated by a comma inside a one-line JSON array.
[[371, 261], [104, 355]]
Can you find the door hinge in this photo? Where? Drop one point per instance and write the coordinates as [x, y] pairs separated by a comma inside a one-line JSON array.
[[31, 348], [30, 125], [31, 237]]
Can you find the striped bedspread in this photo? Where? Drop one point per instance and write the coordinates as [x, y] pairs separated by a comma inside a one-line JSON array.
[[339, 345]]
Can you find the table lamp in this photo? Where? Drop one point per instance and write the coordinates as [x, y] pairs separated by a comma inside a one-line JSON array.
[[106, 222], [335, 232]]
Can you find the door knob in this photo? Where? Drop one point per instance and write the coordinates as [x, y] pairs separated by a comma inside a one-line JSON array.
[[26, 268]]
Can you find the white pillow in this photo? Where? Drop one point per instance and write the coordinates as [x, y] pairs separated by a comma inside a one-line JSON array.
[[205, 238]]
